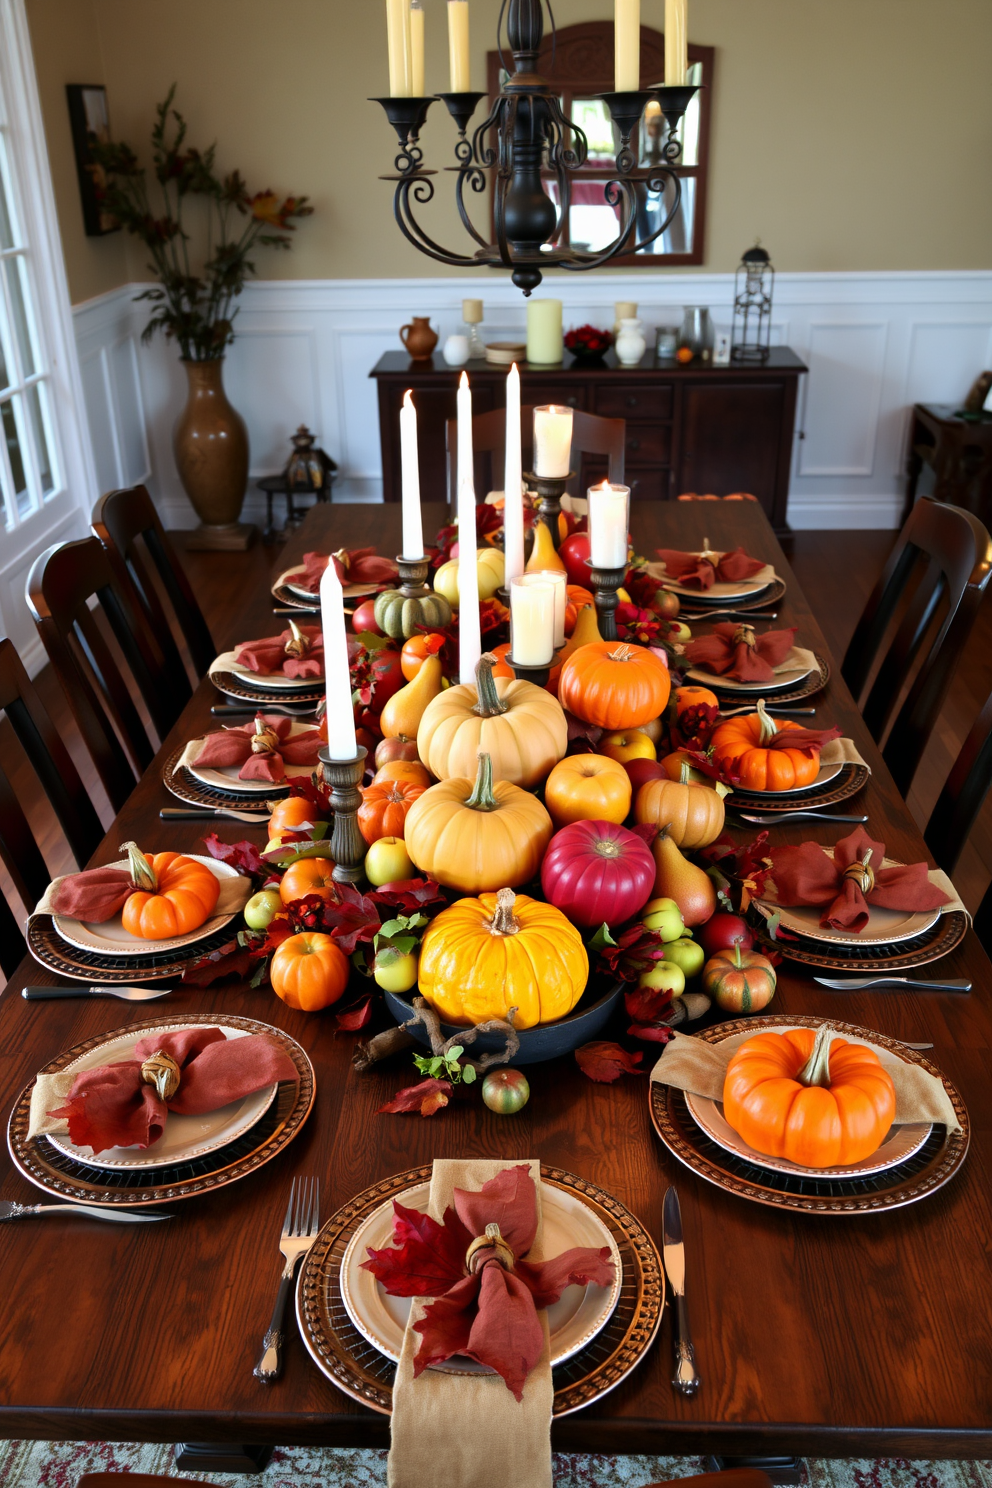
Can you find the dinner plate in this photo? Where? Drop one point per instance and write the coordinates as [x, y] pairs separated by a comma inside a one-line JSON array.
[[226, 777], [901, 1143], [884, 927], [786, 677], [183, 1137], [574, 1320], [350, 591], [241, 685], [722, 591], [851, 780], [227, 664], [110, 938]]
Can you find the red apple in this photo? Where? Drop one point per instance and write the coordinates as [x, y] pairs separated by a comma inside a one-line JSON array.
[[666, 604], [388, 674], [395, 749], [573, 552], [641, 771], [364, 618], [723, 931]]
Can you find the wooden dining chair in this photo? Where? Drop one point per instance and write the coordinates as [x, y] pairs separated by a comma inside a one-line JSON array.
[[947, 554], [604, 439], [53, 767], [128, 525], [61, 586]]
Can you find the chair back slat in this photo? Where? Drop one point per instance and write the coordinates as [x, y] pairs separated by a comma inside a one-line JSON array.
[[12, 945], [113, 689], [591, 435], [120, 518], [964, 793], [20, 852]]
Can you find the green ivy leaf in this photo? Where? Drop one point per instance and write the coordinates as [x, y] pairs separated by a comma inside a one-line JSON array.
[[455, 1053], [469, 1073], [601, 939]]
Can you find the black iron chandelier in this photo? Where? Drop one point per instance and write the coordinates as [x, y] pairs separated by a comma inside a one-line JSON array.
[[525, 138]]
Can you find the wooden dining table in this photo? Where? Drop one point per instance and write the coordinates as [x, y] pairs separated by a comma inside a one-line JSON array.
[[825, 1335]]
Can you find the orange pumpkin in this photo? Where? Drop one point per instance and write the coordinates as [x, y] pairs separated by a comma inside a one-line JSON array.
[[384, 807], [409, 770], [694, 814], [290, 815], [502, 667], [587, 787], [694, 697], [613, 685], [674, 764], [740, 746], [308, 876], [416, 651], [174, 895], [308, 971], [577, 600], [812, 1098]]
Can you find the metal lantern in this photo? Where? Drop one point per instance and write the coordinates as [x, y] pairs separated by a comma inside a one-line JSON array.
[[753, 306], [309, 468]]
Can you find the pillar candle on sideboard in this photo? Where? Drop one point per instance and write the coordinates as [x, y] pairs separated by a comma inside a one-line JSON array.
[[545, 343]]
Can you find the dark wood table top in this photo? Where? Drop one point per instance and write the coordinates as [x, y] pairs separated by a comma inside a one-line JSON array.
[[832, 1336]]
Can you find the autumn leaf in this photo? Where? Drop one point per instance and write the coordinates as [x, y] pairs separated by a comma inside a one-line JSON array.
[[354, 1017], [426, 1097], [425, 1259], [605, 1062], [243, 856], [657, 1033], [409, 894], [228, 960], [646, 1004]]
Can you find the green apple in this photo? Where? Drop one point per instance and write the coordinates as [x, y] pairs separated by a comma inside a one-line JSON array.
[[664, 916], [505, 1091], [664, 976], [687, 955], [387, 861], [262, 908], [395, 973]]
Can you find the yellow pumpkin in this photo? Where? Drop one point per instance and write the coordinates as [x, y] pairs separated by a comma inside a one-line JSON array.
[[484, 956], [694, 814], [520, 726], [491, 571], [473, 835]]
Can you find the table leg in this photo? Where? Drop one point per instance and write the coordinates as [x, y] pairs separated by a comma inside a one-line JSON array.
[[914, 464], [222, 1457], [779, 1469], [268, 536]]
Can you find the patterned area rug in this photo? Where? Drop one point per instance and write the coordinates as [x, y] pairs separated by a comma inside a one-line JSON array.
[[26, 1464]]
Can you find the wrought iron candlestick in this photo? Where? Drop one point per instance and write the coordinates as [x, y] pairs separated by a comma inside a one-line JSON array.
[[674, 99], [539, 675], [348, 846], [605, 583], [550, 489], [413, 577]]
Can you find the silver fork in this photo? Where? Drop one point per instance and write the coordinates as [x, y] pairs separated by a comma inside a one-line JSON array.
[[299, 1231]]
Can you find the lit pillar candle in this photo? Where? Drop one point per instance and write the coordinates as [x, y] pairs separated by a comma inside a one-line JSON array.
[[413, 530], [458, 53], [532, 620], [552, 440], [545, 344], [676, 42], [340, 715], [416, 49], [513, 484], [557, 580], [398, 43], [469, 630], [627, 43], [608, 512]]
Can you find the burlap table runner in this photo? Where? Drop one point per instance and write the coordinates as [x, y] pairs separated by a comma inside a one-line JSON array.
[[840, 752], [467, 1429], [692, 1064]]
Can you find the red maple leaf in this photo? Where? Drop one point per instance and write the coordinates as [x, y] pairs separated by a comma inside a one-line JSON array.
[[318, 796], [426, 1258], [409, 894], [228, 960], [646, 1004], [426, 1097], [243, 856], [354, 1017], [658, 1033], [605, 1062]]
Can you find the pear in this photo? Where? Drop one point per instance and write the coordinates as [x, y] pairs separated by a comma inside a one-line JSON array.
[[400, 718], [543, 554], [676, 878]]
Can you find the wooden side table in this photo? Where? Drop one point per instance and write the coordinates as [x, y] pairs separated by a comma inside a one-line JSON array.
[[958, 450]]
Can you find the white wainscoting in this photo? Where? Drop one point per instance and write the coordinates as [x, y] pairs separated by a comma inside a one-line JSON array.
[[875, 344]]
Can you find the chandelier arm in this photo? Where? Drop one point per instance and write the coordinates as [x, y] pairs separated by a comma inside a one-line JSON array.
[[485, 155], [656, 184], [423, 192], [477, 180], [571, 159], [622, 189]]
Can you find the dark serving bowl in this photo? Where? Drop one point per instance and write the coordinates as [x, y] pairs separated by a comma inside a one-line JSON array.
[[548, 1041]]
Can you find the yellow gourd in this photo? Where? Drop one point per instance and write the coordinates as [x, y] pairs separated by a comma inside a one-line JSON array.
[[491, 569], [543, 554], [400, 718]]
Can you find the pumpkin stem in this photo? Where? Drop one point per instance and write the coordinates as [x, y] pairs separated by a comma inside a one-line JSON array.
[[767, 727], [482, 797], [684, 773], [621, 653], [504, 921], [862, 873], [816, 1070], [706, 545], [489, 704], [143, 875]]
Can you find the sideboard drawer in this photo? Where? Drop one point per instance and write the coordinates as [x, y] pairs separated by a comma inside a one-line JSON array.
[[648, 444], [634, 401], [541, 392], [648, 485]]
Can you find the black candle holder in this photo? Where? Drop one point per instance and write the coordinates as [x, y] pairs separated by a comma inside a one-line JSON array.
[[407, 116], [626, 110], [348, 846], [674, 99], [539, 675], [413, 577], [550, 489], [605, 583], [461, 107]]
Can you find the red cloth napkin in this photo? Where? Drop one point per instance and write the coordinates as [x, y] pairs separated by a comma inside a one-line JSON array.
[[697, 572], [269, 656], [353, 566], [233, 747], [95, 895], [806, 875], [491, 1315], [113, 1107], [733, 650]]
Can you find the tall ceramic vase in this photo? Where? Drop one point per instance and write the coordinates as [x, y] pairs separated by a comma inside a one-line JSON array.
[[210, 444]]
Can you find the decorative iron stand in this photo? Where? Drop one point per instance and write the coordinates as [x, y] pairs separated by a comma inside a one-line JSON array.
[[605, 583], [348, 846], [550, 489], [539, 675]]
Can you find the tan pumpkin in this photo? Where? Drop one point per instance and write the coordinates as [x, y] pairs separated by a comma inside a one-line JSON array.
[[694, 814], [475, 835], [521, 727]]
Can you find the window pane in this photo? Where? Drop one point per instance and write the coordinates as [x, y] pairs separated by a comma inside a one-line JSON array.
[[593, 118], [4, 370], [17, 300], [677, 237], [15, 456], [6, 230], [38, 422]]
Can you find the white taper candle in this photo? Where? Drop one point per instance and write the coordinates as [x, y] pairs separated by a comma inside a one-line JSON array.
[[469, 630], [413, 527], [340, 717], [513, 483]]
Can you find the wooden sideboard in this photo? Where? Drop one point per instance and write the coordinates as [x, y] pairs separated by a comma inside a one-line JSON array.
[[697, 428]]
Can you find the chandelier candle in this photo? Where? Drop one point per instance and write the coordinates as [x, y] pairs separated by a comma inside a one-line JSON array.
[[413, 529], [557, 580], [513, 483], [532, 621], [340, 715], [627, 32], [398, 43], [676, 42], [552, 440], [458, 52], [416, 49], [469, 628]]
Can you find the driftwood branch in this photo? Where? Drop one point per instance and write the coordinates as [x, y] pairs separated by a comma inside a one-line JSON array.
[[391, 1041], [395, 1040]]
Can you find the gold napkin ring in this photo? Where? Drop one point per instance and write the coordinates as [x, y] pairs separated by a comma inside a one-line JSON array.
[[491, 1240], [744, 635], [162, 1071], [861, 874]]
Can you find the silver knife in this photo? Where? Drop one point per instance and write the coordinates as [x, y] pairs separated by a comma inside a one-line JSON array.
[[212, 813], [858, 984], [685, 1378], [128, 994], [10, 1210]]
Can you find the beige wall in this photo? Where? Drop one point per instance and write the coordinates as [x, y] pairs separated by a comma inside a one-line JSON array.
[[848, 134]]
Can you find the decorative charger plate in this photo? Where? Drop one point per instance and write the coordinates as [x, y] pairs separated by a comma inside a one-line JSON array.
[[46, 1167], [225, 777], [183, 1137], [766, 596], [284, 595], [943, 937], [235, 685], [785, 677], [185, 786], [811, 682], [885, 927], [921, 1174], [574, 1320], [363, 1373], [841, 787], [55, 954], [111, 939]]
